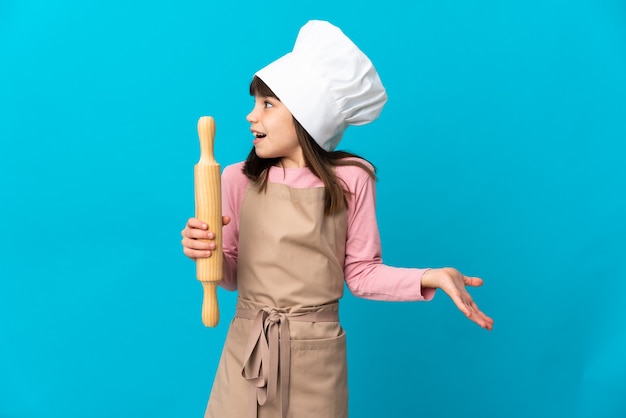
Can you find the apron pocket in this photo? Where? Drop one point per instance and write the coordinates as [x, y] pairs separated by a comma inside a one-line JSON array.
[[318, 384]]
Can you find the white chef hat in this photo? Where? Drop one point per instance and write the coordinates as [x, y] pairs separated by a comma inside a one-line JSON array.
[[326, 82]]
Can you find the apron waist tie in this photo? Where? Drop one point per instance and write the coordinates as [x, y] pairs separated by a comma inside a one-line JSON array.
[[268, 350]]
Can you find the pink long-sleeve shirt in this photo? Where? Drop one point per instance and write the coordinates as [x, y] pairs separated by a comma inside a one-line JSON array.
[[365, 274]]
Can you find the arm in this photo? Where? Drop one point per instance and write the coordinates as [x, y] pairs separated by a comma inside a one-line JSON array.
[[367, 276], [365, 273], [234, 184]]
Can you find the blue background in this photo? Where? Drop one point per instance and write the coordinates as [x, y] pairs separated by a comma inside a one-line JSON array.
[[500, 152]]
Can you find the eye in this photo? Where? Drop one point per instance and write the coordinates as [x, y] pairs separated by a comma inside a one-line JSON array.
[[267, 104]]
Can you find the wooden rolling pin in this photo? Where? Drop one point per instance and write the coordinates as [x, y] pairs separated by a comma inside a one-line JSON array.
[[208, 192]]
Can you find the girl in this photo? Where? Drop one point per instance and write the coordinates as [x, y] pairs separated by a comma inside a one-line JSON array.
[[299, 220]]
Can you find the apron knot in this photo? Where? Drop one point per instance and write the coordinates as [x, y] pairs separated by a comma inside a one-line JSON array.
[[268, 353], [274, 316]]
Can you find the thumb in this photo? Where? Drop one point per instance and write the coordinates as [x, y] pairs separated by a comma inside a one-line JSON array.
[[472, 281]]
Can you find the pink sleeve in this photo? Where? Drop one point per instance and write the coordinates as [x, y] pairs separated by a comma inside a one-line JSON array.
[[234, 184], [365, 273]]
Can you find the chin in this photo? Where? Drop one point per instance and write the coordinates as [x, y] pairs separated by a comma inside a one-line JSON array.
[[262, 154]]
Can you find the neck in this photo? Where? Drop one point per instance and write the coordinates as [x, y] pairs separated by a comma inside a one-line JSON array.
[[292, 163]]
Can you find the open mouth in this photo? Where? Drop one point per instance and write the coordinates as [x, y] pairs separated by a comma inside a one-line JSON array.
[[258, 137]]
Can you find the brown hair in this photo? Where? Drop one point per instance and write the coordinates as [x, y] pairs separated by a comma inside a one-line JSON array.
[[322, 163]]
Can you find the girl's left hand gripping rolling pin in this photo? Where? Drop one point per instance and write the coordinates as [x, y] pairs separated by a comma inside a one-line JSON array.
[[208, 191]]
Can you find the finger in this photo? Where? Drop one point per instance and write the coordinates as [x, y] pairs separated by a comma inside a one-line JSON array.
[[459, 300], [465, 304], [483, 321], [195, 244], [195, 223], [225, 220], [195, 254], [472, 281], [194, 233], [480, 317]]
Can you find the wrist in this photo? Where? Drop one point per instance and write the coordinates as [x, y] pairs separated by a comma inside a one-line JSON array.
[[429, 278]]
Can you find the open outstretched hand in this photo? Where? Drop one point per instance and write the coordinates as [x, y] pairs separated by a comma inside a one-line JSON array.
[[453, 283]]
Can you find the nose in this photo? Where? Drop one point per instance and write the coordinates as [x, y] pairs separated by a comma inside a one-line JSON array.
[[252, 116]]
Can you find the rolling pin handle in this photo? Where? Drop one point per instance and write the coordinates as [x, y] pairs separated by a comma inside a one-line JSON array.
[[210, 310]]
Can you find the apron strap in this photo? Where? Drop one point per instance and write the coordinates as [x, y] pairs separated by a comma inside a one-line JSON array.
[[269, 350]]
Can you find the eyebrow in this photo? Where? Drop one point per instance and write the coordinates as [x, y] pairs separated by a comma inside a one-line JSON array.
[[267, 98]]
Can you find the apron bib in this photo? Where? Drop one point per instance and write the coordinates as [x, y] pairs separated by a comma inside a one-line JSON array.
[[285, 353]]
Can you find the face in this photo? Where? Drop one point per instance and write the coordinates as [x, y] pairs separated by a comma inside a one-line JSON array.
[[274, 132]]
